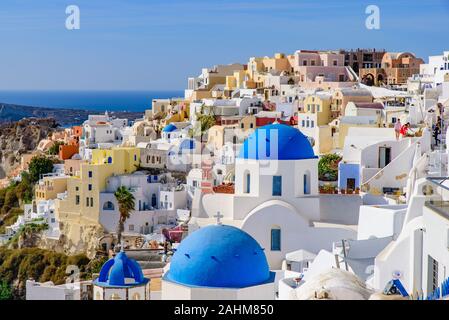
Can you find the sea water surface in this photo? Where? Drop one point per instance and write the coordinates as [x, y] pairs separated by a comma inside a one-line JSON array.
[[134, 101]]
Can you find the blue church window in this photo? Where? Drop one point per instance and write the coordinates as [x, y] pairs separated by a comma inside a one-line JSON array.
[[307, 183], [275, 239], [109, 159], [277, 185]]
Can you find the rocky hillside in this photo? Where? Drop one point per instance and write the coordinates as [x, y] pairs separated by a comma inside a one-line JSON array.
[[64, 117], [21, 137]]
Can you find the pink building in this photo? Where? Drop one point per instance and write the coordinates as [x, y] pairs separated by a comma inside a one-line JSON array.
[[316, 66]]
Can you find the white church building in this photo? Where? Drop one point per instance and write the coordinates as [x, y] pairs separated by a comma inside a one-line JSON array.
[[276, 198]]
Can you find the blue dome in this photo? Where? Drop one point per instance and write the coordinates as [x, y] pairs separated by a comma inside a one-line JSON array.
[[169, 128], [119, 272], [291, 144], [219, 256]]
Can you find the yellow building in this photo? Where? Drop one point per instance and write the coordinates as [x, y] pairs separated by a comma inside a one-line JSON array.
[[49, 187], [340, 128], [320, 106], [83, 191], [313, 121]]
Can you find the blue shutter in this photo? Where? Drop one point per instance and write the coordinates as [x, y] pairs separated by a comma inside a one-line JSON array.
[[277, 186], [275, 239]]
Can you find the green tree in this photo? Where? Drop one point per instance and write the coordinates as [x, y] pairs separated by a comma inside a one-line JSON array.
[[24, 188], [126, 204], [39, 165], [54, 149], [206, 120], [328, 167]]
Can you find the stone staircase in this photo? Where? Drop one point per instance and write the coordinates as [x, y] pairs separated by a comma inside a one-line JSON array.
[[147, 259]]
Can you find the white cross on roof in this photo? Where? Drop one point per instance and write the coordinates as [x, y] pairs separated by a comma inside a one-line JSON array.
[[218, 216]]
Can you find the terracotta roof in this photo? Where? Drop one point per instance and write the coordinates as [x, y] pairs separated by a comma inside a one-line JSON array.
[[224, 188]]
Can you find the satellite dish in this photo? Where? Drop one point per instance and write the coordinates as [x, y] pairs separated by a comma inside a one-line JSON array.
[[397, 274]]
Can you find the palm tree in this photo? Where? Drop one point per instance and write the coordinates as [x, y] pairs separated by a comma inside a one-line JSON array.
[[126, 204]]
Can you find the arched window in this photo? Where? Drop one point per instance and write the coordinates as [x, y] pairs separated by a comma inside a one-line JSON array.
[[136, 296], [115, 296], [275, 238], [108, 205], [109, 159], [247, 182], [306, 182]]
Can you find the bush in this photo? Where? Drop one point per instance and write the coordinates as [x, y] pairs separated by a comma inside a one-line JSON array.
[[39, 165], [328, 167], [54, 149], [19, 265], [5, 291]]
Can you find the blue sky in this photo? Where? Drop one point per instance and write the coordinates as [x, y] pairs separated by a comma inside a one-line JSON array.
[[157, 44]]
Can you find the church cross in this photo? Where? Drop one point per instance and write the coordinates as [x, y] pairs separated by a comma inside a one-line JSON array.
[[218, 216]]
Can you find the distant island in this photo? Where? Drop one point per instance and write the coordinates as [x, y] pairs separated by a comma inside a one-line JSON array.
[[64, 117]]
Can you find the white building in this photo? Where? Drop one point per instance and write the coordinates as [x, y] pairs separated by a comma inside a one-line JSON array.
[[276, 196], [50, 291], [438, 68], [155, 203], [102, 131]]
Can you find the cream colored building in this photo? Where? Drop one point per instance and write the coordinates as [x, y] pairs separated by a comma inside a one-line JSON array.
[[314, 122], [83, 191], [49, 187]]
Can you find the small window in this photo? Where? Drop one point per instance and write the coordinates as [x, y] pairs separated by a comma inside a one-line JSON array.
[[77, 199], [131, 227], [306, 182], [87, 201], [90, 174], [247, 188], [277, 185], [91, 202], [276, 239], [90, 187]]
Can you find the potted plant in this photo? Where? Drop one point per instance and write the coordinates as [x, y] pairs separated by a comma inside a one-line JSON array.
[[343, 191], [357, 190]]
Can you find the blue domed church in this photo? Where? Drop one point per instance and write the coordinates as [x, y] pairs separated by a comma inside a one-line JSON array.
[[276, 198], [219, 262], [121, 278]]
